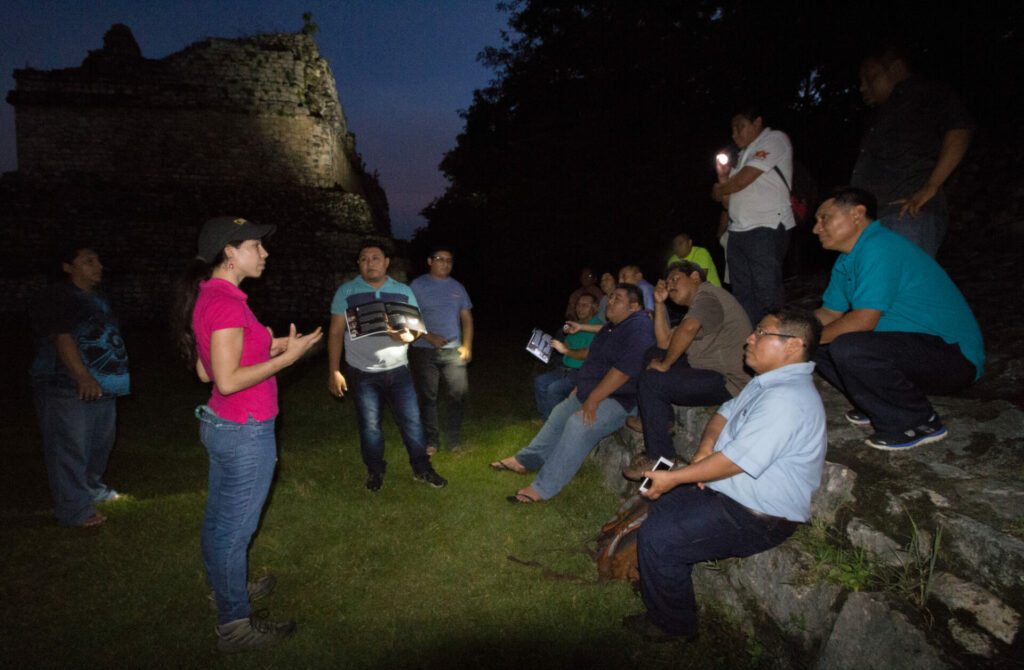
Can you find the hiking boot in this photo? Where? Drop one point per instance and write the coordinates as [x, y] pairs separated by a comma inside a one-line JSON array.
[[374, 481], [256, 588], [857, 417], [634, 472], [431, 477], [930, 431], [253, 632]]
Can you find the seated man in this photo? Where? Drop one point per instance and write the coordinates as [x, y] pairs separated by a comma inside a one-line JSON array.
[[896, 327], [750, 482], [683, 249], [699, 362], [588, 286], [631, 274], [605, 394], [554, 386]]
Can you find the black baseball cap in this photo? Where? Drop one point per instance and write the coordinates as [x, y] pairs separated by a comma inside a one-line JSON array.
[[218, 231]]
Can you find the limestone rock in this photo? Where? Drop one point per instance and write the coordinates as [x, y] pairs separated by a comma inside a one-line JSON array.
[[989, 612], [869, 634]]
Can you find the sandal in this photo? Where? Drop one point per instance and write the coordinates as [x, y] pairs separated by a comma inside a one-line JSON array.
[[94, 520], [501, 466], [521, 498]]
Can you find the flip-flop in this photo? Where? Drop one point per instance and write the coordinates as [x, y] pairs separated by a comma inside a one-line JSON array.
[[500, 466], [521, 498], [94, 520]]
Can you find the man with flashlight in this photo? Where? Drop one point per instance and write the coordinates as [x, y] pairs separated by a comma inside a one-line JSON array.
[[755, 191]]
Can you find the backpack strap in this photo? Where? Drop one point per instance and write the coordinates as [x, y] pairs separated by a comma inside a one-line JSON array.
[[784, 180]]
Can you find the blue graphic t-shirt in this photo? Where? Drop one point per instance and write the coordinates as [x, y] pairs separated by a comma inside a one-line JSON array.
[[87, 317]]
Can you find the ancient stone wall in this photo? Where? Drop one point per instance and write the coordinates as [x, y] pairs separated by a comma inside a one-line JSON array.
[[131, 155], [259, 109]]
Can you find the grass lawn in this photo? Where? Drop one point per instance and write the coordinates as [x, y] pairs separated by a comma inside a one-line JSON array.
[[410, 576]]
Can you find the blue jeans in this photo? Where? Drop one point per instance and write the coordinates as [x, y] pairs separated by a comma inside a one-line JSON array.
[[926, 230], [886, 375], [396, 389], [561, 446], [686, 526], [681, 385], [77, 439], [552, 387], [242, 461], [429, 366], [755, 268]]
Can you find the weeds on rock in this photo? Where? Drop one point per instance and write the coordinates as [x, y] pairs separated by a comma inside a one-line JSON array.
[[833, 562]]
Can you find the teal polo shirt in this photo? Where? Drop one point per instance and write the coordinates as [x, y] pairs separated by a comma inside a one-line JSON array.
[[888, 272]]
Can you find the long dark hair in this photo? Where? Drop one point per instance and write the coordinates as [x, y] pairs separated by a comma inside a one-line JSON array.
[[185, 295]]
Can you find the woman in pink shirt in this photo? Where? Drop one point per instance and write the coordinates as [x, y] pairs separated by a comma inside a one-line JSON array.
[[220, 335]]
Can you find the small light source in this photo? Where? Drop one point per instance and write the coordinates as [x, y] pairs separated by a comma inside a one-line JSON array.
[[722, 158]]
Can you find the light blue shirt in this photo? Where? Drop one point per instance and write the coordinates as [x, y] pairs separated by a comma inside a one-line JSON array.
[[775, 432], [888, 272], [378, 352]]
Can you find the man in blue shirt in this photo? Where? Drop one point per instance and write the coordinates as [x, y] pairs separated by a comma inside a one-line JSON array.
[[444, 350], [749, 484], [377, 369], [605, 395], [896, 327]]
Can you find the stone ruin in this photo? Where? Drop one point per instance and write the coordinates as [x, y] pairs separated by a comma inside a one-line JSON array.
[[133, 154]]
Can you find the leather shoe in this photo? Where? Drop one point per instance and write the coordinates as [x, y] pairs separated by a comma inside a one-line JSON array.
[[641, 623]]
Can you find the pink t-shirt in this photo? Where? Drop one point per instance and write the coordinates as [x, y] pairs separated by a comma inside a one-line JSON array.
[[222, 305]]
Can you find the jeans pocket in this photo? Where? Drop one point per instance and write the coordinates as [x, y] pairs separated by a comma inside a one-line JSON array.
[[218, 435]]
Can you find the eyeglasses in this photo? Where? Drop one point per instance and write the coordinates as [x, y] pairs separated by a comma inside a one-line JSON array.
[[761, 333], [443, 259]]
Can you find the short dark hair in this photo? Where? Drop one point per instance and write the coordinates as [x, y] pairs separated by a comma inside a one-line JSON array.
[[67, 251], [434, 248], [687, 268], [851, 196], [750, 113], [801, 323], [633, 292], [368, 242]]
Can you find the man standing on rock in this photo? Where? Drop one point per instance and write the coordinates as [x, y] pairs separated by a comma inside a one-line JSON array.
[[896, 327], [377, 369], [749, 484], [445, 350]]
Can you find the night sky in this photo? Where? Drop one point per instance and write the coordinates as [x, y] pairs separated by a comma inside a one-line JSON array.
[[403, 68]]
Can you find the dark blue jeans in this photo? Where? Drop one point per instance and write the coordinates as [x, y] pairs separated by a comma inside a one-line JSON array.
[[755, 268], [552, 387], [429, 367], [242, 461], [886, 375], [77, 439], [395, 388], [686, 526], [681, 385], [926, 230]]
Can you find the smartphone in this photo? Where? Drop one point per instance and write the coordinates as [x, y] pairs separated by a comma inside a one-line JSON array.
[[662, 464]]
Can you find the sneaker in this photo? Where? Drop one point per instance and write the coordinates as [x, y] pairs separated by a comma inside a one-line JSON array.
[[930, 431], [430, 477], [634, 472], [857, 417], [374, 481], [256, 588], [253, 632]]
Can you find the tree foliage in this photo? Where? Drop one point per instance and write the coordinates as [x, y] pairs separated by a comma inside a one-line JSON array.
[[594, 141]]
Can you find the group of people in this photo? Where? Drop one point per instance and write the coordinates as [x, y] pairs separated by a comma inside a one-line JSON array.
[[892, 328]]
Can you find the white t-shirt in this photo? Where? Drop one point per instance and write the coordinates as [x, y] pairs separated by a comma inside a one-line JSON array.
[[765, 202]]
